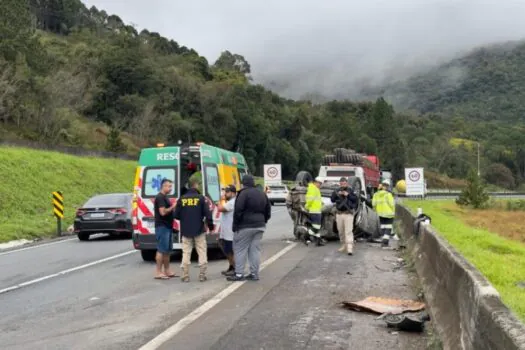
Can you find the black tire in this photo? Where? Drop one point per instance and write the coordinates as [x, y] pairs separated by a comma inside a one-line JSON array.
[[303, 177], [83, 236], [148, 255], [339, 154]]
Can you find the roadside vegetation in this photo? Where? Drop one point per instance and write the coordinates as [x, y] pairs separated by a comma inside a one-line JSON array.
[[78, 76], [30, 176], [492, 239]]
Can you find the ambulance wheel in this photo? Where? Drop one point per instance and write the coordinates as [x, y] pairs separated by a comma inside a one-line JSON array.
[[148, 255]]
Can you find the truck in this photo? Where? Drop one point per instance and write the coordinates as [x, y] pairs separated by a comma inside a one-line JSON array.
[[361, 170], [363, 174]]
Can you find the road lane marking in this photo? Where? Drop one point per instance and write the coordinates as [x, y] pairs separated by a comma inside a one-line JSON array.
[[16, 250], [65, 272], [172, 331], [37, 246]]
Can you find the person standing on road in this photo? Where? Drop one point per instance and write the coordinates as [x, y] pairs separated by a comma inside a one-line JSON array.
[[191, 211], [251, 214], [164, 230], [226, 207], [314, 206], [346, 204], [384, 205]]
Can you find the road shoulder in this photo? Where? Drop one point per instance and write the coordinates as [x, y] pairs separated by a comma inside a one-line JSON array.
[[296, 305]]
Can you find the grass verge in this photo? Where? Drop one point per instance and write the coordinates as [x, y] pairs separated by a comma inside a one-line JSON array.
[[30, 176], [480, 237]]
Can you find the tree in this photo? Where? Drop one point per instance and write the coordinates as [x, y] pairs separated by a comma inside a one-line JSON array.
[[498, 174], [114, 142], [474, 193], [15, 28], [235, 62]]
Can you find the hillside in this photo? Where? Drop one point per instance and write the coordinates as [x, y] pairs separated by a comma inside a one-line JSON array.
[[488, 83], [30, 176], [81, 77]]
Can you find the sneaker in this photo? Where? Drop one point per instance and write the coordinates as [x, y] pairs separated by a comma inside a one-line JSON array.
[[235, 278], [252, 277], [396, 237], [229, 273]]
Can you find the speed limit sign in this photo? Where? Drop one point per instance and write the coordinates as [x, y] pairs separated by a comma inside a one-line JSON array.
[[415, 182], [272, 174]]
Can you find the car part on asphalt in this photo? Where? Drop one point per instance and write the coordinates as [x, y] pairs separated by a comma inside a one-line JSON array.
[[380, 305], [408, 322]]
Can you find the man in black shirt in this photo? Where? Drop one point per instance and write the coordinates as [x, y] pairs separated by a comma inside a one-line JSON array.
[[191, 209], [164, 230]]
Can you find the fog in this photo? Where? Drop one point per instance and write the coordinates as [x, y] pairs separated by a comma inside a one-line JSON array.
[[330, 47]]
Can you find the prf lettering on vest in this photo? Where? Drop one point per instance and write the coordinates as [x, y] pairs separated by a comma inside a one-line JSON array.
[[190, 202], [167, 156]]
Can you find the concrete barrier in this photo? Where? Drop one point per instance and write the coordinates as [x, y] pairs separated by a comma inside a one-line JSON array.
[[465, 307]]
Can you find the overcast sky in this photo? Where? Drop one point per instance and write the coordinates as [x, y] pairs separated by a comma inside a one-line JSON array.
[[327, 45]]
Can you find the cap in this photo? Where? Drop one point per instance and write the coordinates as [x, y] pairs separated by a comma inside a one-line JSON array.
[[319, 179], [385, 182], [343, 179], [230, 188]]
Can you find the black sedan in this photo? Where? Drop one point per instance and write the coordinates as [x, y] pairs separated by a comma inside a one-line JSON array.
[[106, 213]]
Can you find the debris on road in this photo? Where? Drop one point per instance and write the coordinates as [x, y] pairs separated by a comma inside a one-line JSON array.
[[381, 306], [408, 322]]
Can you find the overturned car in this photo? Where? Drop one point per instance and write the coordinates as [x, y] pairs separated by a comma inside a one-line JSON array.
[[366, 221]]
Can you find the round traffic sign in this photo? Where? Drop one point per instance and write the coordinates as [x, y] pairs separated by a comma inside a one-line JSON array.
[[272, 172], [414, 176]]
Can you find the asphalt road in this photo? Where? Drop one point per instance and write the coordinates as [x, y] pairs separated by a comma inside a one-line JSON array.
[[101, 295]]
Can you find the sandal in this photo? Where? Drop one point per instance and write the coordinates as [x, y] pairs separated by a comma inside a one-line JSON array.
[[163, 277]]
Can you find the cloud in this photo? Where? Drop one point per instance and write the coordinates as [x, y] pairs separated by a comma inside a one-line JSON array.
[[331, 46]]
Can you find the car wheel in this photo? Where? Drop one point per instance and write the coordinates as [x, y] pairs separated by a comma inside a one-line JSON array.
[[148, 255], [83, 236]]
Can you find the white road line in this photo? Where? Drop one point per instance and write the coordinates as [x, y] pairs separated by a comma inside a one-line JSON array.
[[65, 272], [37, 246], [169, 333]]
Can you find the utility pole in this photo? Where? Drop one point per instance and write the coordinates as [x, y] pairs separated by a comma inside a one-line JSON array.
[[479, 173]]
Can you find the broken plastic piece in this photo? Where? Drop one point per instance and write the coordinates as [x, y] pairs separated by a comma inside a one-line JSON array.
[[384, 305]]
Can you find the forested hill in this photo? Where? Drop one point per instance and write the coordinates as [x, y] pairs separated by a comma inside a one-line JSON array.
[[75, 76], [488, 83]]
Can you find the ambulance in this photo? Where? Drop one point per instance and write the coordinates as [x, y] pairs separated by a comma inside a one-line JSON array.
[[217, 168]]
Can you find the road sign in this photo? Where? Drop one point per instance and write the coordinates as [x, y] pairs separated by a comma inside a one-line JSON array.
[[58, 210], [272, 174], [415, 181], [58, 205]]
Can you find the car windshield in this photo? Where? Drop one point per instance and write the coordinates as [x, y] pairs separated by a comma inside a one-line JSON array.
[[108, 200]]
